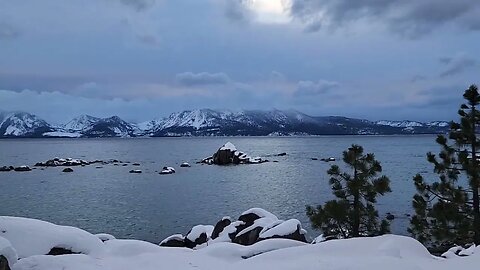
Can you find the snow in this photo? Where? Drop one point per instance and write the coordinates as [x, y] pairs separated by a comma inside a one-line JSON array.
[[373, 253], [31, 238], [7, 251], [229, 146], [105, 236], [281, 229], [197, 230], [35, 237], [62, 134], [260, 212]]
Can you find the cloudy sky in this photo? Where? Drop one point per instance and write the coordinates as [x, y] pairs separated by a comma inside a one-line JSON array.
[[141, 59]]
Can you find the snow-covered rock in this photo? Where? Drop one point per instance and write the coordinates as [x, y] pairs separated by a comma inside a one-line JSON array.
[[290, 229], [176, 240], [7, 251], [198, 235], [228, 154], [35, 237], [105, 236], [167, 170]]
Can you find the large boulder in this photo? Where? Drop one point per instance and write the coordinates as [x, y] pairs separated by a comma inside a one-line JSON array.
[[198, 235], [228, 154], [290, 229], [176, 240], [220, 226]]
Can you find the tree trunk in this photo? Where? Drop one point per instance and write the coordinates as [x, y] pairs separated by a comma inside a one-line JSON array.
[[356, 204], [475, 182]]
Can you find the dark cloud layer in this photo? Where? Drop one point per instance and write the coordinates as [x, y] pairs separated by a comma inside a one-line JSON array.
[[411, 18], [457, 64], [202, 78]]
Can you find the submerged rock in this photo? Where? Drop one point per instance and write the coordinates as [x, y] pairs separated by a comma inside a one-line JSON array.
[[135, 171], [185, 165], [67, 170]]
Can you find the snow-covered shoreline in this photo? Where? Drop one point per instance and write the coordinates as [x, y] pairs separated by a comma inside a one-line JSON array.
[[30, 240]]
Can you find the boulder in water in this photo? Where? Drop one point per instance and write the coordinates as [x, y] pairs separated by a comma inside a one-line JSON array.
[[23, 168], [67, 170], [135, 171], [167, 170], [228, 154], [185, 165], [6, 168]]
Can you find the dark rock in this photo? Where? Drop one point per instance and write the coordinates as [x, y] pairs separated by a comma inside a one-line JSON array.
[[248, 238], [98, 167], [282, 154], [23, 168], [60, 251], [135, 171], [185, 165], [220, 226], [276, 161], [228, 154], [390, 216], [192, 241], [135, 164], [314, 158], [6, 168], [4, 263], [67, 170], [174, 241], [124, 165]]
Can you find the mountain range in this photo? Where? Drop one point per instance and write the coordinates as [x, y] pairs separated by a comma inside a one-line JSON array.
[[207, 122]]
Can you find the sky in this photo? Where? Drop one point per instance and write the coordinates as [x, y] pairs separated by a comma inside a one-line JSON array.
[[144, 59]]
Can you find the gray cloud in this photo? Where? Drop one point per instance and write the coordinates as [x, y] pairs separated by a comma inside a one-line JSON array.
[[410, 18], [139, 5], [236, 11], [202, 78], [8, 31], [457, 64], [309, 88]]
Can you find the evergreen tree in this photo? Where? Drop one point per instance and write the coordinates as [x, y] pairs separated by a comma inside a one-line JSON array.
[[447, 211], [353, 213]]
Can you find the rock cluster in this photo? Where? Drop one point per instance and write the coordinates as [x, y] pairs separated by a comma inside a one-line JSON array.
[[253, 225], [69, 162], [228, 154]]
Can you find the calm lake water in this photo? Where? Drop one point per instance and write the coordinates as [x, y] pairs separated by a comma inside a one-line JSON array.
[[150, 206]]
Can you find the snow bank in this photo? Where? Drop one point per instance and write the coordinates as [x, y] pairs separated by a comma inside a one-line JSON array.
[[35, 237], [7, 251]]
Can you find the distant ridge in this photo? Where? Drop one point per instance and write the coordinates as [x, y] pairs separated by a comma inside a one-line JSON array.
[[207, 122]]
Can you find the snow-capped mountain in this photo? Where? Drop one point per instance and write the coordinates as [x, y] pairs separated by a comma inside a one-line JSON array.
[[415, 126], [80, 123], [111, 127], [21, 124], [206, 122]]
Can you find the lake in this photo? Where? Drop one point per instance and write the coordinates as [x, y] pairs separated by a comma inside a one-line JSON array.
[[150, 206]]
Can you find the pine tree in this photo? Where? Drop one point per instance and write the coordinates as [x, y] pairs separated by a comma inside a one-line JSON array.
[[447, 211], [353, 213]]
